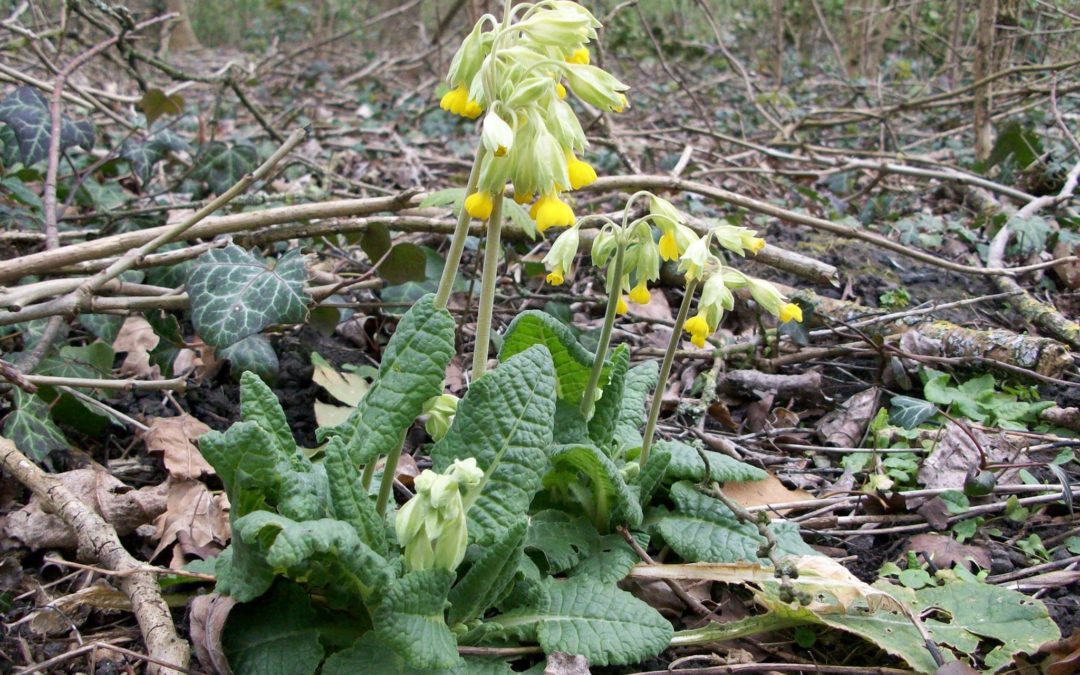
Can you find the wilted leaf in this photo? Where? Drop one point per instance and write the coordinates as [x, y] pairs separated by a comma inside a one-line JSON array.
[[136, 340], [173, 438], [195, 523], [346, 387], [155, 103]]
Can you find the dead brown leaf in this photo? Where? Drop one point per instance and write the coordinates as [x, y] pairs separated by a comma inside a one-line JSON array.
[[947, 464], [137, 338], [197, 361], [208, 616], [761, 492], [195, 523], [846, 425], [174, 439], [657, 308], [947, 552], [121, 506]]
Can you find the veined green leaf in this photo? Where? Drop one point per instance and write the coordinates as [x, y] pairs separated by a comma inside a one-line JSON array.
[[910, 412], [90, 361], [444, 197], [26, 113], [234, 294], [583, 616], [410, 619], [702, 529], [611, 558], [504, 421], [32, 430], [253, 354], [640, 380], [350, 500], [246, 457], [489, 577], [260, 405], [687, 464], [222, 166], [653, 473], [561, 539], [369, 654], [275, 635], [412, 371], [608, 409], [612, 501], [573, 362]]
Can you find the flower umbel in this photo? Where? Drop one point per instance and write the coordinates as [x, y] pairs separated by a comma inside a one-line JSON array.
[[698, 328], [431, 526]]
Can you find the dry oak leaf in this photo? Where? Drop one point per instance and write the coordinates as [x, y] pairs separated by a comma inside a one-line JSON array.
[[763, 492], [195, 523], [137, 338], [174, 439], [208, 616], [118, 504]]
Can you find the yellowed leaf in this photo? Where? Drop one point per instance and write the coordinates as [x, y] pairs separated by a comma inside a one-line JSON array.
[[761, 492]]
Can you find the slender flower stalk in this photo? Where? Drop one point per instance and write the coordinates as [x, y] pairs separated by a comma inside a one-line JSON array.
[[387, 483], [492, 246], [615, 274], [461, 231], [665, 371]]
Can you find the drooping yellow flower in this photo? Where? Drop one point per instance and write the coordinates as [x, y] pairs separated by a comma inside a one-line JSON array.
[[756, 244], [454, 100], [479, 205], [472, 110], [624, 102], [550, 211], [790, 312], [580, 55], [622, 308], [560, 90], [555, 277], [669, 250], [523, 197], [581, 173], [698, 328], [640, 294]]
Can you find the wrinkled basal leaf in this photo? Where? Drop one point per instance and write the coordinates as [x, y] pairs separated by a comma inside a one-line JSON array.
[[573, 363], [410, 619], [504, 421], [234, 294], [687, 464], [274, 635]]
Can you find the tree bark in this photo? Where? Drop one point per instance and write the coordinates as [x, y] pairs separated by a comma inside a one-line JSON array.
[[179, 36], [984, 56]]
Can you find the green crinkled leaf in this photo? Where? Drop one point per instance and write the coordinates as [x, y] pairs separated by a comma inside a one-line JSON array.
[[612, 501], [304, 491], [412, 371], [608, 408], [246, 458], [26, 113], [686, 464], [445, 197], [702, 529], [31, 428], [640, 380], [241, 571], [253, 354], [259, 404], [488, 578], [611, 558], [653, 474], [563, 540], [275, 635], [234, 294], [410, 619], [583, 616], [504, 421], [570, 426], [371, 655], [222, 166], [350, 500], [573, 362]]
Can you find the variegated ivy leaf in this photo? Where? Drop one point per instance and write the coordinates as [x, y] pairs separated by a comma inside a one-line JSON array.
[[222, 166], [234, 294], [254, 353], [26, 112], [31, 428]]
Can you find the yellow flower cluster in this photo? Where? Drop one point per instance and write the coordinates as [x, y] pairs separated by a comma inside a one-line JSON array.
[[513, 72]]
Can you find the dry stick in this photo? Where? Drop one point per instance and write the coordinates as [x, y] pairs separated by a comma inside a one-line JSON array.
[[82, 297], [98, 540]]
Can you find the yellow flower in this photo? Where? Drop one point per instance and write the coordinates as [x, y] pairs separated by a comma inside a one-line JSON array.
[[580, 55], [790, 312], [560, 90], [624, 102], [523, 198], [581, 173], [478, 205], [454, 100], [472, 110], [555, 277], [669, 250], [698, 328], [756, 244], [640, 294], [550, 211], [622, 307]]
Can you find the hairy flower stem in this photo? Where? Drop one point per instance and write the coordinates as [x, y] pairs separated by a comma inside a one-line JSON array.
[[733, 630], [492, 247], [614, 284], [387, 483], [461, 232], [369, 474], [665, 371]]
